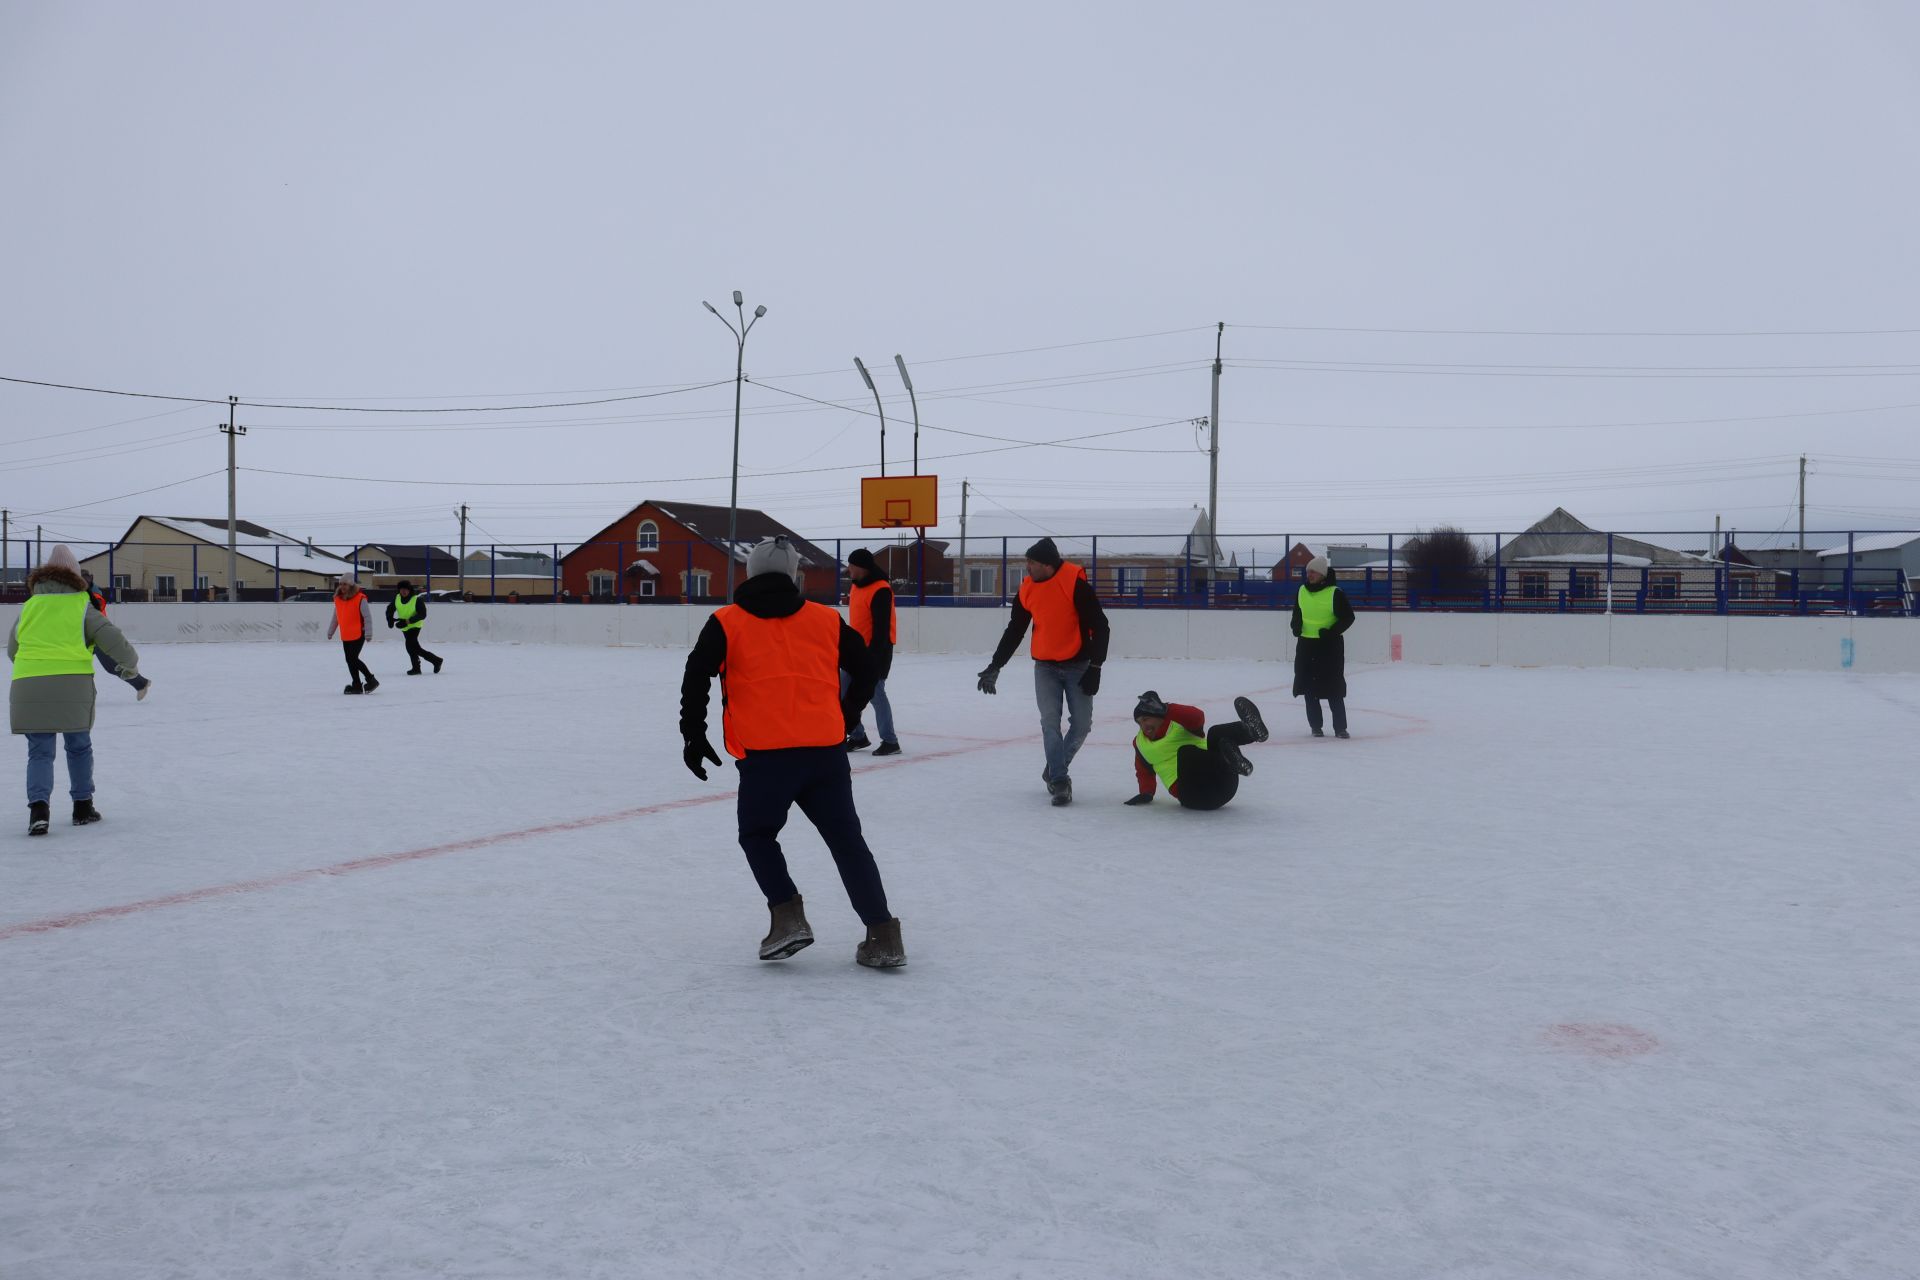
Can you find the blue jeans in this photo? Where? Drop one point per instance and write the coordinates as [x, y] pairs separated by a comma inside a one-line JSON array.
[[882, 710], [40, 766], [1054, 683]]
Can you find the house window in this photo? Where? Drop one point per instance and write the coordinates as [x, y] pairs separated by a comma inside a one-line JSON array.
[[1663, 586], [646, 588], [600, 584], [165, 587], [648, 538], [697, 583], [123, 582], [1586, 584], [1533, 586], [1743, 586], [1128, 581], [980, 581], [203, 582]]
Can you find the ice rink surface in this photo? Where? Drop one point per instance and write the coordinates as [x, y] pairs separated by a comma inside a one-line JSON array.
[[1546, 974]]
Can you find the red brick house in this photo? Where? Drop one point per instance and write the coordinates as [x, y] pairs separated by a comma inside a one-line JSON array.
[[677, 551]]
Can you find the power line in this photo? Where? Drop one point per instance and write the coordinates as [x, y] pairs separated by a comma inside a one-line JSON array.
[[335, 408], [980, 435], [78, 506], [1277, 367], [1588, 333]]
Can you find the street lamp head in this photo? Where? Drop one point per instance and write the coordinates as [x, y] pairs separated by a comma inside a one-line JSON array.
[[708, 305], [901, 365], [864, 375], [738, 298], [758, 312]]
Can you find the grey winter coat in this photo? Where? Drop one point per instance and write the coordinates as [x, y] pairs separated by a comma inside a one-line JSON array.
[[64, 704]]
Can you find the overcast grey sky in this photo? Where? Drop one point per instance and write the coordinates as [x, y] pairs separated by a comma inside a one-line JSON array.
[[417, 206]]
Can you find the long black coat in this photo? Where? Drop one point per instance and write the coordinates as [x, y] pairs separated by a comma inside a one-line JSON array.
[[1320, 665]]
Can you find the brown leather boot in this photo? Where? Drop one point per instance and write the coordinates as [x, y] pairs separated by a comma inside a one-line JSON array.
[[790, 931], [883, 948]]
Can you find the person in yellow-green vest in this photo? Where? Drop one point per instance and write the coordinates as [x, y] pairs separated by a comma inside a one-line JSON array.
[[1202, 767], [408, 612], [1321, 615], [52, 647]]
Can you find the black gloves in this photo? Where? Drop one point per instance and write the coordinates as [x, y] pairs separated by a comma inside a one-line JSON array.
[[989, 680], [696, 750], [1144, 797], [1090, 682]]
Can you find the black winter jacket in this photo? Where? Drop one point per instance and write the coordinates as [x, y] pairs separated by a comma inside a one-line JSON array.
[[1320, 665]]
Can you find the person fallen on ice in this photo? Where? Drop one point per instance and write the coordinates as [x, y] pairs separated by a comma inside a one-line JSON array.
[[409, 612], [52, 647], [778, 658], [1202, 767], [870, 612], [1070, 636], [1321, 615], [354, 623]]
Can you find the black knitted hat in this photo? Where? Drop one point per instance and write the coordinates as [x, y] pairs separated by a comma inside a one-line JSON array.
[[1045, 552], [1150, 704], [863, 558]]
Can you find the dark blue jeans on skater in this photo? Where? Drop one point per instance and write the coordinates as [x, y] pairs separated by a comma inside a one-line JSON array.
[[820, 781], [1056, 684]]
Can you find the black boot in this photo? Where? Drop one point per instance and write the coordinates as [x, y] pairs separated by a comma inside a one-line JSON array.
[[84, 813], [437, 664], [858, 742], [372, 684], [789, 931], [1231, 753], [37, 818], [1319, 733], [887, 749], [413, 671], [353, 688], [1062, 792], [1250, 717], [882, 948]]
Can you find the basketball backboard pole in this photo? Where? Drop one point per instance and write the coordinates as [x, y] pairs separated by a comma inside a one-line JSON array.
[[868, 379]]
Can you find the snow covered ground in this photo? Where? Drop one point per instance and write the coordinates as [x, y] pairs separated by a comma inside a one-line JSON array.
[[1547, 973]]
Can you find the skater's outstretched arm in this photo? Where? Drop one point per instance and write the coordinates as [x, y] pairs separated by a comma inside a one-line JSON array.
[[108, 642], [703, 668], [1010, 638]]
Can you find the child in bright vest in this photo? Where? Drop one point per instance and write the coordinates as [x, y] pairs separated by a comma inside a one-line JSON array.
[[1070, 636], [353, 622], [870, 612], [1201, 767], [52, 647], [778, 658], [409, 612]]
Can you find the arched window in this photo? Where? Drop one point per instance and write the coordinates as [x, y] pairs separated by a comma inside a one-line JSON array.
[[648, 538]]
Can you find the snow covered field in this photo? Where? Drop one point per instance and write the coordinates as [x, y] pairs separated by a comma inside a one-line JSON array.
[[1547, 973]]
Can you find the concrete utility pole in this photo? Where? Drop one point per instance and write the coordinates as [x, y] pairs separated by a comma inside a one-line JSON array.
[[6, 547], [463, 550], [1803, 504], [964, 586], [232, 432], [1213, 465]]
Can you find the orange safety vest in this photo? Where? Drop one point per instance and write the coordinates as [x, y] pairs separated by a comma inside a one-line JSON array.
[[780, 683], [348, 613], [860, 611], [1058, 634], [99, 602]]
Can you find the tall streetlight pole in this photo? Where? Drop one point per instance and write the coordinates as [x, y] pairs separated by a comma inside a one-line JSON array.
[[868, 379], [901, 365], [739, 381]]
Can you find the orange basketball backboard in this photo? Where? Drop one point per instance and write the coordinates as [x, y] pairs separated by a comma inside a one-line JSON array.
[[899, 502]]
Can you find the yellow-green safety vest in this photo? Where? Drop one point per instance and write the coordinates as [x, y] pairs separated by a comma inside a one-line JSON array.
[[1163, 754], [52, 637], [404, 611], [1316, 610]]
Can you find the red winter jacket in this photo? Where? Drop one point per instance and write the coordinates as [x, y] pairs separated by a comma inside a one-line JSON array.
[[1193, 720]]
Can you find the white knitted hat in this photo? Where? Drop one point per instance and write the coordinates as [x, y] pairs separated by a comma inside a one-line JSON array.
[[1317, 565], [62, 557]]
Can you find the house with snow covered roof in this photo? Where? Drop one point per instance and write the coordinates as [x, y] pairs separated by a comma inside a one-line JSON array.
[[1562, 562], [185, 558], [1130, 551], [1877, 551], [678, 551]]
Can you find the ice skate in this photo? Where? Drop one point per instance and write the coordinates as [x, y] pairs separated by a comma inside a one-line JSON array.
[[37, 818], [882, 948], [84, 813], [789, 932], [887, 749], [1250, 717]]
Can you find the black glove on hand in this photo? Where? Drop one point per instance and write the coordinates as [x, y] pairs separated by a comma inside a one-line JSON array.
[[696, 750], [1090, 682], [989, 679], [1142, 798]]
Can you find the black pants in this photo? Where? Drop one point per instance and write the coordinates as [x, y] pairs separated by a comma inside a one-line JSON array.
[[1207, 781], [819, 780], [357, 669], [414, 652], [1339, 706]]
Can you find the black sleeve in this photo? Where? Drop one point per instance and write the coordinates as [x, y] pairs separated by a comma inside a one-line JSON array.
[[420, 613], [1093, 622], [703, 667], [880, 652], [858, 664], [1342, 612], [1296, 616], [1010, 638], [389, 613]]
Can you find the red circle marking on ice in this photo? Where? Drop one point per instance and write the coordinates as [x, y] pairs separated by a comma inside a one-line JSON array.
[[1601, 1039]]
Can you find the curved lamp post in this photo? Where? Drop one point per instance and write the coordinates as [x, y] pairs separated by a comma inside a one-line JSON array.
[[739, 379]]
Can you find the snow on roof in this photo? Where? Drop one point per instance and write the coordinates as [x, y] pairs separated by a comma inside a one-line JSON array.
[[295, 556], [1131, 531], [645, 566], [1877, 542], [1584, 557]]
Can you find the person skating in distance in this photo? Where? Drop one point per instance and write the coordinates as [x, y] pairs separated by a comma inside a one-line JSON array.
[[354, 623], [52, 647], [1321, 615], [409, 612], [778, 658], [870, 612], [1070, 636], [1202, 767]]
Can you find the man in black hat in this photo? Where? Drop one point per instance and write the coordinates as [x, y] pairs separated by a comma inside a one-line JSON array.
[[1070, 636], [409, 612], [870, 612]]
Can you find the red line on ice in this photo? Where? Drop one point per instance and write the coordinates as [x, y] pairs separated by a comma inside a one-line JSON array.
[[74, 919]]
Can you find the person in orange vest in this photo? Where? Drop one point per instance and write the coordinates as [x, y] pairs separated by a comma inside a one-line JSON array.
[[778, 658], [354, 623], [1202, 767], [870, 612], [1070, 635]]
